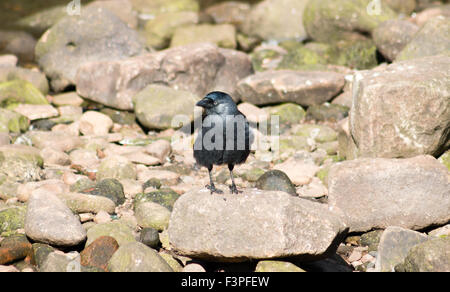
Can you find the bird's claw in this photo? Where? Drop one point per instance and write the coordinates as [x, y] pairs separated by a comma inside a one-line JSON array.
[[213, 189], [234, 189]]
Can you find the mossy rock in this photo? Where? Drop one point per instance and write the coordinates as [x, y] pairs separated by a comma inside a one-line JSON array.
[[165, 197], [152, 215], [276, 180], [121, 232], [20, 91], [157, 105], [371, 239], [116, 167], [153, 182], [359, 53], [319, 133], [150, 237], [322, 174], [247, 43], [41, 252], [38, 79], [13, 122], [327, 112], [253, 174], [356, 54], [12, 219], [301, 58], [172, 262], [137, 257], [293, 143], [261, 58], [82, 185], [331, 148], [289, 114], [330, 21], [110, 188], [430, 256], [20, 163], [445, 159], [181, 169]]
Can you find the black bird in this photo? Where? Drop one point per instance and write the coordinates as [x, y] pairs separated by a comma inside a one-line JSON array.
[[224, 137]]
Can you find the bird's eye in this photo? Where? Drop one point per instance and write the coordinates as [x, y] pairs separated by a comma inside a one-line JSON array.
[[216, 103]]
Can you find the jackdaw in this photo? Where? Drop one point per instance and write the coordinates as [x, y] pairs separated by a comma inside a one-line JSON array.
[[224, 137]]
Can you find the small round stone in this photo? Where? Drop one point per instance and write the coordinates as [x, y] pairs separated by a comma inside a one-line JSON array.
[[150, 237]]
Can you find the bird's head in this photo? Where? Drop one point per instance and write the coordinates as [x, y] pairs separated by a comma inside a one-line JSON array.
[[218, 103]]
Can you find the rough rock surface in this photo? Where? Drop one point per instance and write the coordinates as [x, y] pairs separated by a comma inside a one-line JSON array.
[[403, 110], [137, 257], [392, 36], [217, 227], [49, 220], [193, 68], [432, 39], [276, 20], [303, 88], [395, 243], [97, 34], [412, 193]]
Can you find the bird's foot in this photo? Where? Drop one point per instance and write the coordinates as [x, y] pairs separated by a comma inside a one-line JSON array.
[[234, 189], [213, 189]]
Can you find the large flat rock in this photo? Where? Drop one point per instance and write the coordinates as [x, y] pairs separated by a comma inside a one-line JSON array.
[[254, 224], [374, 193]]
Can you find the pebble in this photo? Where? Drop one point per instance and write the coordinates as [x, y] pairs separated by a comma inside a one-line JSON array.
[[99, 252], [35, 112], [49, 220], [102, 217], [367, 258], [95, 123], [150, 237], [14, 248], [159, 149], [8, 269], [137, 257], [193, 268], [354, 256], [149, 214]]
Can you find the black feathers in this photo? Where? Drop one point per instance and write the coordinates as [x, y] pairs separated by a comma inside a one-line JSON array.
[[224, 137]]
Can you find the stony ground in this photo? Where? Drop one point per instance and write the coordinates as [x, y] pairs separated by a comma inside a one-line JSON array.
[[96, 176]]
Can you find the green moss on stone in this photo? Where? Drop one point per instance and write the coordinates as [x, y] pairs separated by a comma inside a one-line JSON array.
[[12, 122], [20, 91], [319, 133], [12, 219], [261, 57], [445, 159], [356, 54], [165, 197]]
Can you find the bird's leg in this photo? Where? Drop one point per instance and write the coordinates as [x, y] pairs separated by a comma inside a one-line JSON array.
[[211, 185], [233, 187]]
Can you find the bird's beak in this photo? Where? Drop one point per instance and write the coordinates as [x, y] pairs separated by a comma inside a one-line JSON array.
[[205, 103]]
